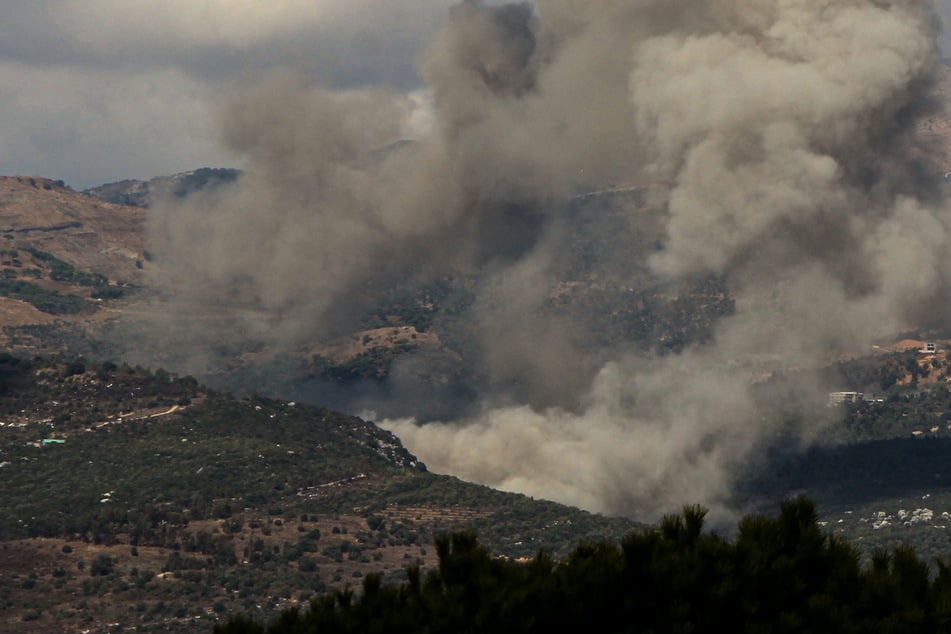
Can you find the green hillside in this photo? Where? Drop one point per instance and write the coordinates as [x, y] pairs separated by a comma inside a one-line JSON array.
[[127, 492], [779, 574]]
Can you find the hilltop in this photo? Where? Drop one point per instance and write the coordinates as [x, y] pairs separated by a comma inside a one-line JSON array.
[[65, 262], [91, 235], [139, 193]]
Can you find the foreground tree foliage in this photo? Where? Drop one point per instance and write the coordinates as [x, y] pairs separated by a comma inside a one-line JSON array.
[[779, 574]]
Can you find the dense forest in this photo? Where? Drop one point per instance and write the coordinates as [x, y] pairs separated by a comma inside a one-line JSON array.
[[777, 574]]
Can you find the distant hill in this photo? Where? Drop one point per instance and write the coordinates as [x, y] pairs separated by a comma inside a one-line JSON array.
[[49, 227], [65, 261], [143, 499], [140, 193], [91, 235]]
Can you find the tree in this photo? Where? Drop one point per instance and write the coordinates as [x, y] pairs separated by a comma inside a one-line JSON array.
[[101, 566]]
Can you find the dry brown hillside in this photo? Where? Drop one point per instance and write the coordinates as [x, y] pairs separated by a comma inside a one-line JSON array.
[[90, 234], [66, 262]]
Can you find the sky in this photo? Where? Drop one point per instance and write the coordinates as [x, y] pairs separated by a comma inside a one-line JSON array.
[[96, 91]]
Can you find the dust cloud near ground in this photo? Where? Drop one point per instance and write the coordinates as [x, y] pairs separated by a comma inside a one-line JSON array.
[[782, 130]]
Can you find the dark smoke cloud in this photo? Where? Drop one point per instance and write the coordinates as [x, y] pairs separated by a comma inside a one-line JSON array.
[[325, 205], [781, 129]]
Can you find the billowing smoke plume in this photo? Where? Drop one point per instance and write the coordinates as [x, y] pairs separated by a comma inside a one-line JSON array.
[[780, 127]]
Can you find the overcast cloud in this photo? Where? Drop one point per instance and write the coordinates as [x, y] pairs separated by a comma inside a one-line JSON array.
[[100, 90], [94, 91]]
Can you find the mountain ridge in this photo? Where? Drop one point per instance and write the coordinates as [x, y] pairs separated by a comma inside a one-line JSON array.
[[143, 193]]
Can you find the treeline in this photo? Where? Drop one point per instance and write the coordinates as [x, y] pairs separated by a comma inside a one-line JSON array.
[[778, 574]]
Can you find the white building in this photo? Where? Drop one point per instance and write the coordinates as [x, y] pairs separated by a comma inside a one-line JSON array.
[[845, 397]]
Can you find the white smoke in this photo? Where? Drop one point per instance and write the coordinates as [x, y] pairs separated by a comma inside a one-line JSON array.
[[760, 119], [781, 127]]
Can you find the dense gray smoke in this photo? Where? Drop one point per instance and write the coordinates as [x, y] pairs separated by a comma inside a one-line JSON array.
[[780, 127]]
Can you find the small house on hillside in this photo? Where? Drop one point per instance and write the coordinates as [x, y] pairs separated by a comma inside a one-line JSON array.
[[845, 397]]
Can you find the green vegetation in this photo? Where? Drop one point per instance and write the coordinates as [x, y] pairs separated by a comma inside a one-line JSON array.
[[415, 307], [224, 454], [46, 300], [247, 453], [52, 338], [166, 501], [163, 489], [61, 271], [140, 193], [930, 410], [904, 394], [372, 364], [779, 574], [202, 178], [46, 265]]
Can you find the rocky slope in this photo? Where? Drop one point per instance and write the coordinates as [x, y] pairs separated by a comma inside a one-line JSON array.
[[143, 193]]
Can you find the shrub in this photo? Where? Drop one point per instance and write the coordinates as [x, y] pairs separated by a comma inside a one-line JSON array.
[[102, 566]]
